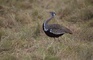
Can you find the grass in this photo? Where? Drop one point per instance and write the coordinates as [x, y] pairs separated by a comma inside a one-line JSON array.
[[22, 37]]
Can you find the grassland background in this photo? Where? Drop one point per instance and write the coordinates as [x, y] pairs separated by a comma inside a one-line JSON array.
[[22, 37]]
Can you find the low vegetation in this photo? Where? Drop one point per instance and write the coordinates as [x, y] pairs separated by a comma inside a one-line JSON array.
[[22, 37]]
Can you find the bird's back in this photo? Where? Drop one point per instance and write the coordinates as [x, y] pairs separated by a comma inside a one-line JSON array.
[[58, 29]]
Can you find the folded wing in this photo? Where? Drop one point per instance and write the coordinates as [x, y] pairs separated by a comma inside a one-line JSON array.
[[57, 29]]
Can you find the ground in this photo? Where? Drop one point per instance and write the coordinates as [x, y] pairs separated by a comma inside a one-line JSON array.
[[22, 37]]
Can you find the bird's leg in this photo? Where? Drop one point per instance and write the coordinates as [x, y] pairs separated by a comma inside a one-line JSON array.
[[54, 39], [50, 44], [59, 40]]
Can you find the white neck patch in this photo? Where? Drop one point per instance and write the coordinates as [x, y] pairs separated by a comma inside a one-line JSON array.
[[45, 29]]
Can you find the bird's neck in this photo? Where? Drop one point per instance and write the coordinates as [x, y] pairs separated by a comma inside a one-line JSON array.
[[46, 22]]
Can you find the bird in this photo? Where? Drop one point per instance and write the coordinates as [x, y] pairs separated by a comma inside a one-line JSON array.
[[54, 30]]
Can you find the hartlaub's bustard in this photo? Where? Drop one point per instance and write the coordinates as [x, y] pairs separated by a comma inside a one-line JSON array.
[[54, 30]]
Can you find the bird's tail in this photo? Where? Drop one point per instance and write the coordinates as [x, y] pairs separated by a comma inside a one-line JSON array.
[[68, 31]]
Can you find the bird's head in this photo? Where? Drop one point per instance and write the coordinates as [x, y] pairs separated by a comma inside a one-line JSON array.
[[53, 13]]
